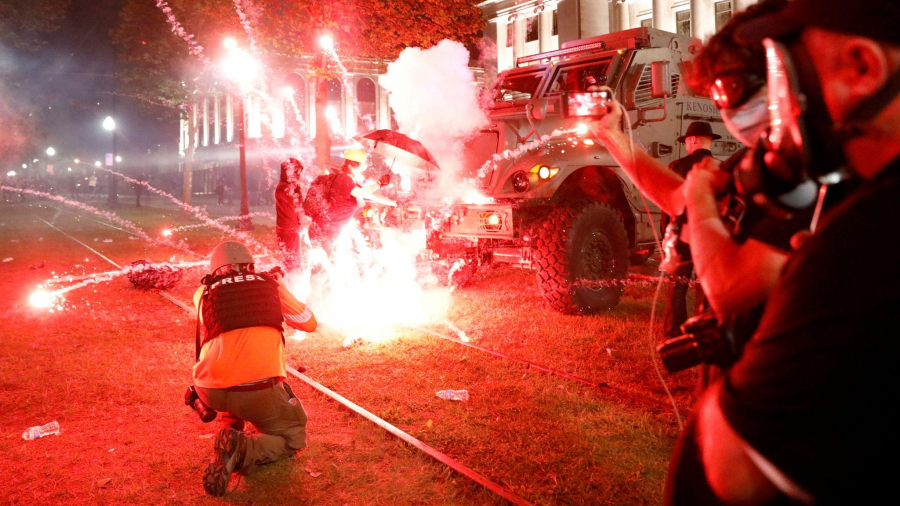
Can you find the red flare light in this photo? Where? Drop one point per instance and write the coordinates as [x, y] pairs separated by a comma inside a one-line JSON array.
[[41, 298]]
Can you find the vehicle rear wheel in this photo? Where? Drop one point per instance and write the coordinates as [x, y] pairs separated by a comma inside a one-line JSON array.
[[581, 252]]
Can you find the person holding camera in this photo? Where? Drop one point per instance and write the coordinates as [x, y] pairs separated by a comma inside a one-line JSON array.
[[241, 363], [801, 416], [746, 265], [697, 141]]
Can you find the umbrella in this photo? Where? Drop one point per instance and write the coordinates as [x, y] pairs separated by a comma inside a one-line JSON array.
[[400, 148]]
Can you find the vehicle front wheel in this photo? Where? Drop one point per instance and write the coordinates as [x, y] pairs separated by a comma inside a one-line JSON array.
[[581, 255]]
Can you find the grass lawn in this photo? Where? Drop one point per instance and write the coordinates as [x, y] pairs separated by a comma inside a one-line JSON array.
[[113, 366]]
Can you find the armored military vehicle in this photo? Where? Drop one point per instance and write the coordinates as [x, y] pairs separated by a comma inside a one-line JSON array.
[[559, 204]]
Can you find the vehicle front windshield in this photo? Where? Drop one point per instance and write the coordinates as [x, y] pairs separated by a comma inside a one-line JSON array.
[[580, 78], [516, 87]]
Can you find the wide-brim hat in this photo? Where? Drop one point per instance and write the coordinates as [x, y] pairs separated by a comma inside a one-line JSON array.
[[699, 129], [873, 19]]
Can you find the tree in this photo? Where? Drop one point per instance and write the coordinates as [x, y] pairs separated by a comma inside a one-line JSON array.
[[24, 24], [158, 64]]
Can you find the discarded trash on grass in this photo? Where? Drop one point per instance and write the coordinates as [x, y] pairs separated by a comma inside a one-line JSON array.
[[8, 259], [352, 341], [453, 395], [107, 240], [104, 482], [39, 431]]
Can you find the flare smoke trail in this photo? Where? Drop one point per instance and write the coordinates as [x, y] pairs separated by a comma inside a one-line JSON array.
[[195, 48], [91, 209], [196, 211], [435, 100]]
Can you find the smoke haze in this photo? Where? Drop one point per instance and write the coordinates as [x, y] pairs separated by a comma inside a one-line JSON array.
[[435, 100]]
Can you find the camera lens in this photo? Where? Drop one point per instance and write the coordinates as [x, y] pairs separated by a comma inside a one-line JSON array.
[[680, 353]]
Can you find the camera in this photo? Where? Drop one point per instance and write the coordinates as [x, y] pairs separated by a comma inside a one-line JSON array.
[[705, 341], [588, 104], [191, 399]]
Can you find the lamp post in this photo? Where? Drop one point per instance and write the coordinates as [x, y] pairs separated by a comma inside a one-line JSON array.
[[112, 200], [50, 152], [241, 68]]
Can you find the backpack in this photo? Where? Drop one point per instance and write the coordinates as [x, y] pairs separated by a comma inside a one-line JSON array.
[[318, 197]]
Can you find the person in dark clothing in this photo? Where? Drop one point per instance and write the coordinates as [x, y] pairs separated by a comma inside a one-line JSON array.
[[802, 416], [288, 199], [220, 190], [698, 141], [330, 202], [139, 188]]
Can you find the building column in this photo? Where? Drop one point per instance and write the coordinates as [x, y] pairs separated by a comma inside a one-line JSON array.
[[546, 24], [622, 16], [702, 19], [350, 125], [229, 118], [384, 109], [206, 121], [518, 39], [217, 120], [663, 17], [502, 62]]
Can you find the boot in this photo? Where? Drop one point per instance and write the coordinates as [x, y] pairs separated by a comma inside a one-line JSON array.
[[230, 448]]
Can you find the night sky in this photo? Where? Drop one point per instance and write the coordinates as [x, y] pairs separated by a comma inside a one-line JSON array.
[[68, 86]]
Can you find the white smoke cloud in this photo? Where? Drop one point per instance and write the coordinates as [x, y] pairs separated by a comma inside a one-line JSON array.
[[435, 100]]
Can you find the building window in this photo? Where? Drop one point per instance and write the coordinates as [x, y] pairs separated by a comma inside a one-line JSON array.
[[510, 34], [555, 31], [683, 22], [532, 29], [647, 23], [366, 98], [723, 14]]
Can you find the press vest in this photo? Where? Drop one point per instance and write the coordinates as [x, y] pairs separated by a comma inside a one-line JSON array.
[[237, 301]]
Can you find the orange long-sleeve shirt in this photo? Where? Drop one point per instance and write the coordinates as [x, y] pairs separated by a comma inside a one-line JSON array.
[[252, 353]]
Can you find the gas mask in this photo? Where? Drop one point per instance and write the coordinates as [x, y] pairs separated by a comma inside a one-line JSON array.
[[749, 121], [803, 147]]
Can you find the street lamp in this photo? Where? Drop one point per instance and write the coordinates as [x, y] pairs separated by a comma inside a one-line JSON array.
[[50, 152], [112, 200], [240, 67]]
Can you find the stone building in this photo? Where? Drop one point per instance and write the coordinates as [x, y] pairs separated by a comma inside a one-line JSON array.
[[526, 27]]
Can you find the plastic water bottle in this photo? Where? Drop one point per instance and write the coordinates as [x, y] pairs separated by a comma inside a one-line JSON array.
[[39, 431], [453, 395]]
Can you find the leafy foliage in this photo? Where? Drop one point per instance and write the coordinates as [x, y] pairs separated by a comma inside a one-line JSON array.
[[23, 24], [159, 67]]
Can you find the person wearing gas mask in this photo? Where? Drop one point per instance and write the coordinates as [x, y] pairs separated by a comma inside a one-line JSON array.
[[802, 416], [241, 364], [288, 198]]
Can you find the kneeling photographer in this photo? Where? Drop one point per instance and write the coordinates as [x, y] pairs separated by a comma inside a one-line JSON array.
[[801, 417], [241, 364]]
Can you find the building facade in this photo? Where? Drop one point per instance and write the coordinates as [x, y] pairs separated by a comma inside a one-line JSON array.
[[281, 123], [526, 27]]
